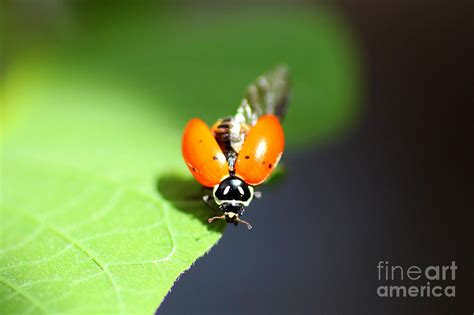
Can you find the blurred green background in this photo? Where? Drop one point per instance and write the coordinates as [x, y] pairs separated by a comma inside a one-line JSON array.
[[185, 60]]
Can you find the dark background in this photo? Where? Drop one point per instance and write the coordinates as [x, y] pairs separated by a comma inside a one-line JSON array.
[[396, 187]]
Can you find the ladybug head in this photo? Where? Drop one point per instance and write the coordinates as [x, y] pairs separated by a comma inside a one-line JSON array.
[[232, 195]]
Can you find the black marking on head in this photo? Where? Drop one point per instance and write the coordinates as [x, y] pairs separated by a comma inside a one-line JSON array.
[[233, 189]]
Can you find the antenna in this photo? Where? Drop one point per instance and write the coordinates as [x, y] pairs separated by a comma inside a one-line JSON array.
[[244, 222], [221, 217]]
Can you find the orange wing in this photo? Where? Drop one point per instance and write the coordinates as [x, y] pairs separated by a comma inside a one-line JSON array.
[[203, 155], [261, 151]]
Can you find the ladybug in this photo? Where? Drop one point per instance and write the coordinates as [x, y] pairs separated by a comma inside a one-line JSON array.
[[240, 152]]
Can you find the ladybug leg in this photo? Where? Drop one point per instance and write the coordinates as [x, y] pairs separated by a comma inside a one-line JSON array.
[[257, 194], [209, 200]]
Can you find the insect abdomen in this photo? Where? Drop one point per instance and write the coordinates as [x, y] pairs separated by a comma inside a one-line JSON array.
[[222, 134]]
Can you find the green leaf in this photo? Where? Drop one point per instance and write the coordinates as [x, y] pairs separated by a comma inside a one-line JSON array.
[[99, 213], [85, 228]]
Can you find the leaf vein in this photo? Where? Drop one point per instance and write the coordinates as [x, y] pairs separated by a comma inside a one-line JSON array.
[[24, 294], [87, 252]]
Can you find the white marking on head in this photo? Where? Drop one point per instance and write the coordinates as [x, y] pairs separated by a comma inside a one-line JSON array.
[[241, 190], [247, 203], [218, 202], [226, 190]]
